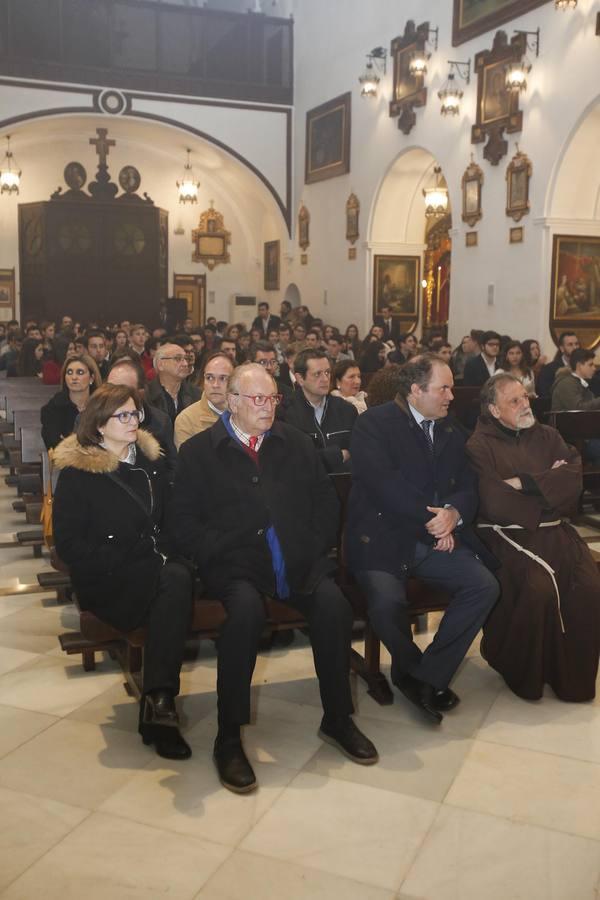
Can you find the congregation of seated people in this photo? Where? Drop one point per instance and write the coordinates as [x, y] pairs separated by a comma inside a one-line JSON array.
[[206, 451]]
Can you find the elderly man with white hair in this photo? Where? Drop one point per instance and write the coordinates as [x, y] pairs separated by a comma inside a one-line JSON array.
[[545, 629], [170, 391], [255, 510]]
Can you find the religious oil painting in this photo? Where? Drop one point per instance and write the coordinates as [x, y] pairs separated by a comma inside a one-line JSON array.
[[576, 279], [328, 140], [474, 17], [7, 289], [271, 272], [396, 284]]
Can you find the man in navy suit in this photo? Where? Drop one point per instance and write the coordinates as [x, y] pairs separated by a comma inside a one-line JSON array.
[[412, 499], [481, 367]]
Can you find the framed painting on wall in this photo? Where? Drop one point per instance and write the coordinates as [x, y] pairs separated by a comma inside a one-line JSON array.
[[575, 287], [396, 284], [473, 17], [328, 139], [7, 291], [271, 266]]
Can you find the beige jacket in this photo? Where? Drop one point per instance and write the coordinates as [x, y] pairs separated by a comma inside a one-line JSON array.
[[192, 420]]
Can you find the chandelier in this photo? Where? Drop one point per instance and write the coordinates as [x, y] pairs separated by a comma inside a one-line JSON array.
[[436, 196], [10, 174], [188, 186]]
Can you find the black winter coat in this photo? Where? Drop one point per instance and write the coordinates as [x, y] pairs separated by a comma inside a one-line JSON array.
[[159, 424], [394, 480], [223, 503], [58, 419], [332, 435], [105, 537], [155, 396]]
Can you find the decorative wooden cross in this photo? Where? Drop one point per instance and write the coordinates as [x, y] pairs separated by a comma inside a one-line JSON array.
[[102, 145]]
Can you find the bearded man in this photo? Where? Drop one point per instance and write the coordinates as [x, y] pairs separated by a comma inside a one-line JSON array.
[[545, 629]]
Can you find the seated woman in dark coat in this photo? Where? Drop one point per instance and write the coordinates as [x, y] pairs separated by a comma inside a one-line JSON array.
[[79, 378], [107, 514]]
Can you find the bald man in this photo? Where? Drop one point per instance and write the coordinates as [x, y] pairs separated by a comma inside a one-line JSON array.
[[170, 391]]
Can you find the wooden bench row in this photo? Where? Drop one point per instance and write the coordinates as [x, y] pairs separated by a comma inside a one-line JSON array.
[[208, 616]]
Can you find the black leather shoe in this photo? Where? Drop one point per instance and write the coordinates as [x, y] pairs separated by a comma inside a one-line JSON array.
[[421, 695], [445, 699], [160, 709], [350, 741], [168, 741], [235, 772]]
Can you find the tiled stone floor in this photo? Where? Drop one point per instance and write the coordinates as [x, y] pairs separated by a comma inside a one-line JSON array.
[[502, 802]]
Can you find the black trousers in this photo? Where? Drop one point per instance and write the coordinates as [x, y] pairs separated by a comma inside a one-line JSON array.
[[167, 626], [329, 620], [474, 591]]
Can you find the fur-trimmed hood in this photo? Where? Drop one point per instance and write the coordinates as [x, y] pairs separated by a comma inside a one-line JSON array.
[[97, 460]]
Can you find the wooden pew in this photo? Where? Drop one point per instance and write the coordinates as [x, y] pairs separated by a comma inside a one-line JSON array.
[[576, 427], [208, 615]]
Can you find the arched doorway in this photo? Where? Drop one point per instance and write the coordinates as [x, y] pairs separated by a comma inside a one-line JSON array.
[[400, 228], [292, 295]]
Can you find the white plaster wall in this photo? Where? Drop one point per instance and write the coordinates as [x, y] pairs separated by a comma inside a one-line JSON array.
[[43, 148], [563, 84]]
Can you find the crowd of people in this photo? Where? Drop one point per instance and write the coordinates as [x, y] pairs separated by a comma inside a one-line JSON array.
[[207, 452]]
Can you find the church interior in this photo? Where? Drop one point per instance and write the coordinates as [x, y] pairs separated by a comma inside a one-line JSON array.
[[345, 156]]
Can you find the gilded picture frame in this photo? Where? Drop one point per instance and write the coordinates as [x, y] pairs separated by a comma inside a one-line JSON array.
[[352, 214], [303, 228], [472, 184], [396, 281], [474, 17], [7, 289], [518, 175], [327, 151]]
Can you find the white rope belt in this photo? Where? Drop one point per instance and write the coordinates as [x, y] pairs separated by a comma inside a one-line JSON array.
[[500, 529]]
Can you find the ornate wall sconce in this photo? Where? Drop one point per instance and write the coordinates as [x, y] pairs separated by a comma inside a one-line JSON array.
[[420, 58], [450, 94], [517, 71], [369, 80]]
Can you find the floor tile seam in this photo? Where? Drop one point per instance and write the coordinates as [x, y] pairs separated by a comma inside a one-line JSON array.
[[298, 865], [418, 849], [163, 830], [33, 736], [517, 820], [48, 849], [578, 759]]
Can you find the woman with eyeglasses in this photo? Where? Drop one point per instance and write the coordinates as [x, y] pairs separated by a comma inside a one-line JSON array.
[[79, 378], [108, 512]]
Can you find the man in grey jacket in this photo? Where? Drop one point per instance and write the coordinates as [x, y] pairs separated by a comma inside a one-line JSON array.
[[571, 391]]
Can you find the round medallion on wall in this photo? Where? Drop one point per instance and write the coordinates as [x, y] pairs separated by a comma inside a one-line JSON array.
[[75, 176], [129, 179], [112, 102]]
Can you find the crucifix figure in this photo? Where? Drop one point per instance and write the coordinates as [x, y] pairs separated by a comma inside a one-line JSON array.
[[102, 145]]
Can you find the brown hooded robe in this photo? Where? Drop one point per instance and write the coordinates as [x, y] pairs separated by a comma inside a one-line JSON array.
[[522, 638]]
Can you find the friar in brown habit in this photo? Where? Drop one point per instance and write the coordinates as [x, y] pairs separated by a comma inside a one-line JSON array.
[[545, 628]]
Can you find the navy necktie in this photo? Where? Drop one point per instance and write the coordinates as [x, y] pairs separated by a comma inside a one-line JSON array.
[[426, 426]]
